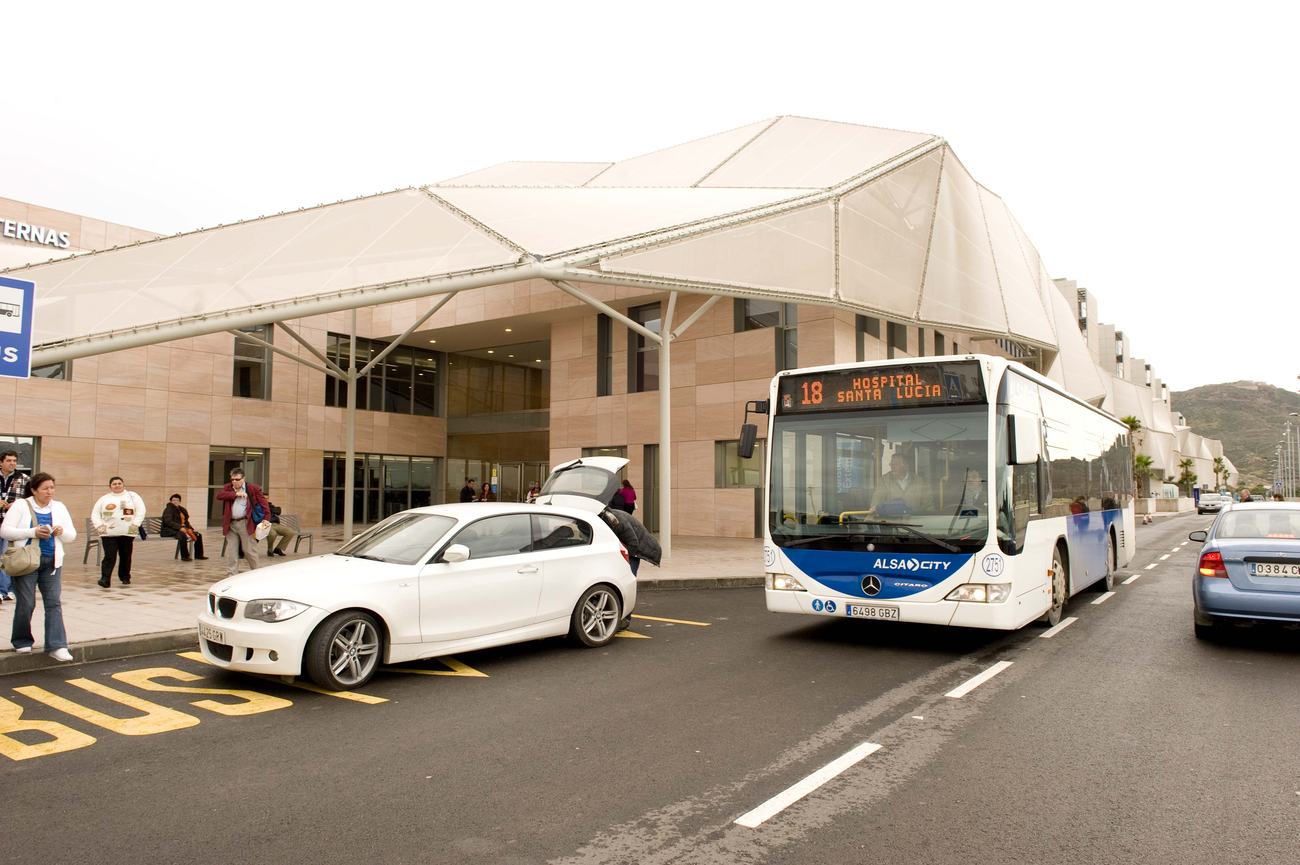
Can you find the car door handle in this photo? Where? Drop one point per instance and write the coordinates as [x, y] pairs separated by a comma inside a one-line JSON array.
[[531, 569]]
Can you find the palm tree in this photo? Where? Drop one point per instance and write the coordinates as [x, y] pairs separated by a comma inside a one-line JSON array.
[[1220, 468], [1134, 427], [1142, 473], [1188, 477]]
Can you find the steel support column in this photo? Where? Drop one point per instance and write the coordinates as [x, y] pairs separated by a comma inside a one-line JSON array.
[[349, 484], [666, 429]]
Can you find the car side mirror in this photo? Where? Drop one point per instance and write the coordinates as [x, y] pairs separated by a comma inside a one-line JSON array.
[[1198, 536], [455, 553]]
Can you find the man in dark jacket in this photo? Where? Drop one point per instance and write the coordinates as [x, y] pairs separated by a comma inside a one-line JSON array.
[[176, 524], [467, 492], [633, 534]]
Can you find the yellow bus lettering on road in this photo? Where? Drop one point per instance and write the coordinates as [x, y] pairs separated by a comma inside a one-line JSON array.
[[61, 738], [253, 702], [154, 718], [454, 668]]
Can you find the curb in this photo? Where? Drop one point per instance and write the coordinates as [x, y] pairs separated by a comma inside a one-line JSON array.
[[701, 583], [101, 650]]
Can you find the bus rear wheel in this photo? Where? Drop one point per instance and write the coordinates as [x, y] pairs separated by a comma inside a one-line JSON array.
[[1107, 583], [1059, 584]]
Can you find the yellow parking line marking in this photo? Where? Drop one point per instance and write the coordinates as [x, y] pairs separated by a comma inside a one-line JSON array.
[[672, 621], [455, 668], [305, 686], [633, 635]]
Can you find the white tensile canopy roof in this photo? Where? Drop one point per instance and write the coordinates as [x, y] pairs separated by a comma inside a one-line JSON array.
[[879, 221]]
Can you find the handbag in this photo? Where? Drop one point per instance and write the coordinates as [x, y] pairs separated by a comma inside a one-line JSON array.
[[21, 561]]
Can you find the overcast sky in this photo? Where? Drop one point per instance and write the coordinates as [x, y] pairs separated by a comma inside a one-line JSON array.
[[1148, 151]]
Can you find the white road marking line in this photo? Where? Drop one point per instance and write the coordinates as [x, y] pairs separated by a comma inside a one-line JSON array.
[[1183, 544], [1175, 549], [1151, 566], [1165, 556], [975, 681], [1104, 598], [790, 795], [1130, 579], [1056, 629]]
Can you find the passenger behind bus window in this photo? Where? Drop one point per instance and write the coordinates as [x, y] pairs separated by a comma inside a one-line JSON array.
[[1079, 505]]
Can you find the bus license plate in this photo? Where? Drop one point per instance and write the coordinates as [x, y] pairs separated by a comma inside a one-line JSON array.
[[872, 611], [1274, 569]]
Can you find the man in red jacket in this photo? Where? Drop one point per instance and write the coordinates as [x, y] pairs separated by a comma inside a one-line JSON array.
[[243, 508]]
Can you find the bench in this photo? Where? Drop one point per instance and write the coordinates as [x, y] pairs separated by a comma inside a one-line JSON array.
[[152, 528]]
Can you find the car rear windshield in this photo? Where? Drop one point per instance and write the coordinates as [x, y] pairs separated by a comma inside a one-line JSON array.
[[402, 539], [1262, 523], [579, 480]]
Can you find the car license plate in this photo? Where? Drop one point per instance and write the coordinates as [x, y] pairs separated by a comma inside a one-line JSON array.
[[211, 634], [1274, 569], [871, 611]]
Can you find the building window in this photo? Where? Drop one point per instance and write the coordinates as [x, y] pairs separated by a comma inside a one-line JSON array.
[[404, 382], [730, 470], [642, 355], [783, 318], [867, 326], [220, 461], [28, 449], [604, 355], [896, 339], [383, 485], [954, 347], [938, 343], [252, 378]]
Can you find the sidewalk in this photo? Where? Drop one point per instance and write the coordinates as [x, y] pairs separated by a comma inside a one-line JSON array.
[[158, 611]]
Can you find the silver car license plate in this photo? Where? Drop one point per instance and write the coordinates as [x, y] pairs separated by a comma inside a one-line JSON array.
[[872, 611], [1274, 569]]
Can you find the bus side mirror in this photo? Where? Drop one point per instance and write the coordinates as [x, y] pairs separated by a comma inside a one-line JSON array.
[[1024, 437], [748, 435]]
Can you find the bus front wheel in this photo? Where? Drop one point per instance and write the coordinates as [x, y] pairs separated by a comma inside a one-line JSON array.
[[1059, 584]]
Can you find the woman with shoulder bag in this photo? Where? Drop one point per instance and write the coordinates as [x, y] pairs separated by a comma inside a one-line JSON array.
[[41, 523]]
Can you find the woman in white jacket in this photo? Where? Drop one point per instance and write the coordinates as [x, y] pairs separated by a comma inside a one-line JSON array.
[[117, 516], [40, 519]]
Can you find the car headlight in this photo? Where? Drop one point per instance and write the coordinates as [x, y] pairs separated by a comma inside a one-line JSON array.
[[981, 593], [784, 583], [272, 609]]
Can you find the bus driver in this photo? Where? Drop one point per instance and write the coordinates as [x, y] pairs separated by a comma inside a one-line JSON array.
[[900, 491]]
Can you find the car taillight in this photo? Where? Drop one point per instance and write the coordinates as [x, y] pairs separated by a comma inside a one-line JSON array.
[[622, 549], [1212, 565]]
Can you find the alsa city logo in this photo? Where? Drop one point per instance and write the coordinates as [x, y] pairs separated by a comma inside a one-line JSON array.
[[912, 564]]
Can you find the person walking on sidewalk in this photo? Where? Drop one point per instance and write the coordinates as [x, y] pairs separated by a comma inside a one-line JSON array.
[[176, 524], [117, 517], [243, 510], [13, 486], [42, 520]]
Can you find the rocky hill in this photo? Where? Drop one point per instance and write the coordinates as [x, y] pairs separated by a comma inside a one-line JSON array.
[[1247, 416]]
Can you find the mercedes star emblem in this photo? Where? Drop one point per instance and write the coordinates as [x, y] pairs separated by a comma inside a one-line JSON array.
[[871, 585]]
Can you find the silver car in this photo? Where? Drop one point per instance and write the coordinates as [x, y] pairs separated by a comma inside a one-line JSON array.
[[1213, 503]]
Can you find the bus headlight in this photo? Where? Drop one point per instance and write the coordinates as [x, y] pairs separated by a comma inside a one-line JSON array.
[[981, 593], [784, 583]]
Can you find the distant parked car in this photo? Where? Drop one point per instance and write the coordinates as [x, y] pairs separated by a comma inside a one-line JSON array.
[[1249, 568], [1213, 503]]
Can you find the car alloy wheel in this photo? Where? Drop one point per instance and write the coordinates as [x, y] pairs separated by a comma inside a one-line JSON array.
[[596, 617], [344, 651]]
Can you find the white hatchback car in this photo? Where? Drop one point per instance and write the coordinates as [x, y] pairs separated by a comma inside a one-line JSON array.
[[426, 582]]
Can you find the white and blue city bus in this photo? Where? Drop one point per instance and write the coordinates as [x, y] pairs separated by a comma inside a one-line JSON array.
[[880, 506]]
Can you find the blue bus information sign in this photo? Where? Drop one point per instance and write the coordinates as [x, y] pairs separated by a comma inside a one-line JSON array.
[[16, 302]]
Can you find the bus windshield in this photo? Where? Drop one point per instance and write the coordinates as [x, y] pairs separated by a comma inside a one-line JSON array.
[[913, 479]]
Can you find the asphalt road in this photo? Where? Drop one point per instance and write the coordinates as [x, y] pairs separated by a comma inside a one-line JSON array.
[[1119, 739]]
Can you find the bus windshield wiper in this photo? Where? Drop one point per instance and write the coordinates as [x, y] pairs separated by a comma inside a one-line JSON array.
[[912, 528]]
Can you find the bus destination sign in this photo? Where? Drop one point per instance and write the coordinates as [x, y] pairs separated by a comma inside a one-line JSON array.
[[919, 384]]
